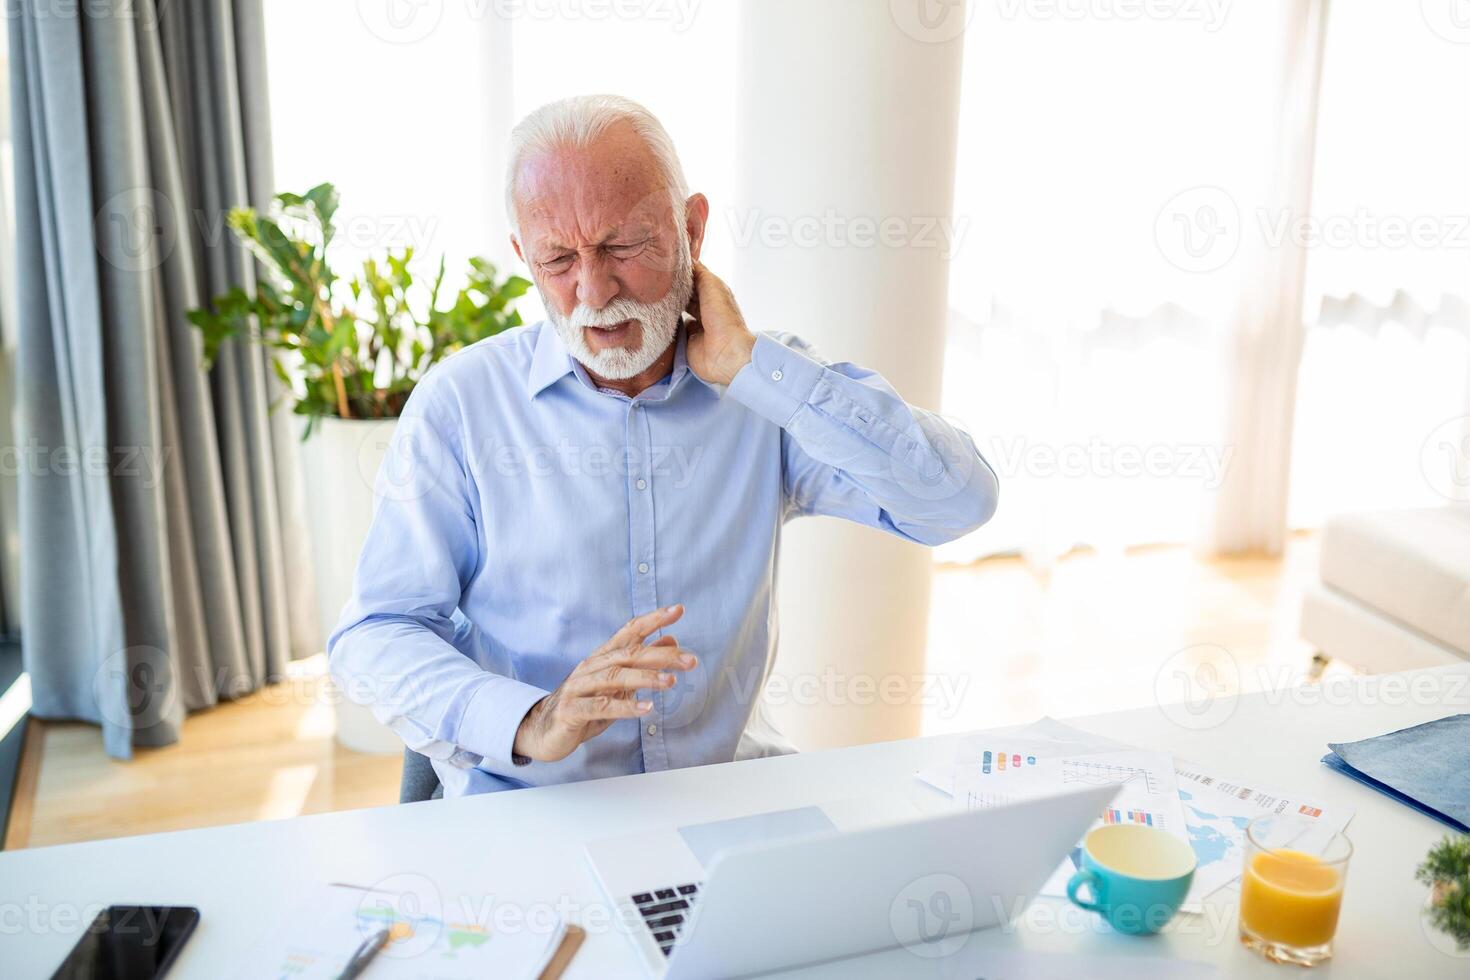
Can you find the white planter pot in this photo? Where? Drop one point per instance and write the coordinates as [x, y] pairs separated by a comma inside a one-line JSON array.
[[338, 464]]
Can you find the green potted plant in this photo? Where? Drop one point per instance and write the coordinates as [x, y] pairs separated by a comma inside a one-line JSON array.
[[349, 353], [1446, 870]]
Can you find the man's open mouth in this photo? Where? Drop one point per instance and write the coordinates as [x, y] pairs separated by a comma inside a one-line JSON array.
[[612, 335]]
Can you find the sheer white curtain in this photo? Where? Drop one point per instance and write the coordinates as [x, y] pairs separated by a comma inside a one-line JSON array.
[[410, 114], [1385, 375], [1105, 168]]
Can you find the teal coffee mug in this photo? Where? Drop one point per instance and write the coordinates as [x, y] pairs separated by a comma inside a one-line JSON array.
[[1137, 876]]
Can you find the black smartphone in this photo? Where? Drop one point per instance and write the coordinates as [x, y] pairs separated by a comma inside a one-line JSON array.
[[130, 942]]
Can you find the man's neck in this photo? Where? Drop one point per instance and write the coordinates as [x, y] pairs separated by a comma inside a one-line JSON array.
[[644, 379]]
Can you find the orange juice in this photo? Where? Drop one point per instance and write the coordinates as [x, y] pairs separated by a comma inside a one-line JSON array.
[[1291, 898]]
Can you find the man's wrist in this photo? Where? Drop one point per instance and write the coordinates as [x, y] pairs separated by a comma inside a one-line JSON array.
[[742, 351], [523, 752]]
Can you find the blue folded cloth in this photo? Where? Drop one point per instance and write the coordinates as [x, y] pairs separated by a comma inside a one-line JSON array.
[[1426, 767]]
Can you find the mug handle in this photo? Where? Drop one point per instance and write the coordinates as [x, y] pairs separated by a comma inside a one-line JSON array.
[[1090, 878]]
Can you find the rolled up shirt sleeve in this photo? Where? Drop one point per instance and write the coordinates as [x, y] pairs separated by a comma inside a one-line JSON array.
[[394, 648], [852, 448]]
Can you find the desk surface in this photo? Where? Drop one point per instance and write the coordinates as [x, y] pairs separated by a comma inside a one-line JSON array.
[[520, 854]]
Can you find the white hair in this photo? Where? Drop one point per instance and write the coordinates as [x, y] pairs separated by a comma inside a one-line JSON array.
[[576, 123]]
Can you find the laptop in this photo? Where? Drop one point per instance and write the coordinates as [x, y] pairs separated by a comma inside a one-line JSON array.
[[783, 889]]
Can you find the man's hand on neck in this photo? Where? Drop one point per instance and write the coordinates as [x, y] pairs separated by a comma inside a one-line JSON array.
[[719, 341]]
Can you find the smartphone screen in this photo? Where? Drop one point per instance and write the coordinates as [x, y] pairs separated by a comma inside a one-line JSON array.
[[129, 942]]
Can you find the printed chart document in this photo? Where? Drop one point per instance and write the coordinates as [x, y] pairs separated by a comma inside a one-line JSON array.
[[1213, 808], [1217, 810], [1009, 769], [315, 941]]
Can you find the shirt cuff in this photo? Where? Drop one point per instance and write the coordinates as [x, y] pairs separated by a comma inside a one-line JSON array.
[[776, 382], [492, 717]]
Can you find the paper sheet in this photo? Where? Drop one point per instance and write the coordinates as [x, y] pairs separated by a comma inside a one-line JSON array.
[[1013, 769], [316, 939], [1215, 808]]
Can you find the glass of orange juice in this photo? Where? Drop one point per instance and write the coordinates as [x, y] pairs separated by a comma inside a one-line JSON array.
[[1291, 889]]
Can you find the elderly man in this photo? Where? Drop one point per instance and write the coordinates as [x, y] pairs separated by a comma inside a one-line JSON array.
[[558, 496]]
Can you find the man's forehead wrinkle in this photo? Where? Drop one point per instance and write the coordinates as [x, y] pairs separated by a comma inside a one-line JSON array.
[[588, 195]]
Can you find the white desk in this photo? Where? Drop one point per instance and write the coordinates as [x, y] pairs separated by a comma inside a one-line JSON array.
[[525, 848]]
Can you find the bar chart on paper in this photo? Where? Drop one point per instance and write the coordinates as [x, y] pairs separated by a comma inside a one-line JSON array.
[[1148, 818]]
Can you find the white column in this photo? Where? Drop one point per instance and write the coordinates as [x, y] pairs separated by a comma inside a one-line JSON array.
[[847, 124]]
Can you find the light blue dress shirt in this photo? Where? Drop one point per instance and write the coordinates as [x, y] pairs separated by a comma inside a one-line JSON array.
[[524, 515]]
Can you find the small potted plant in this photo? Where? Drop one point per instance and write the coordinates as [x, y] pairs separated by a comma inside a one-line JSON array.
[[1446, 870], [349, 353]]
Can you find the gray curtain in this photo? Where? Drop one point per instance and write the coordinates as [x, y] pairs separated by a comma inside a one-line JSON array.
[[157, 516]]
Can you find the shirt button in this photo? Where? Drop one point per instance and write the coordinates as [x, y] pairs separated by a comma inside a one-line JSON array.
[[642, 484], [653, 729], [643, 568], [775, 375]]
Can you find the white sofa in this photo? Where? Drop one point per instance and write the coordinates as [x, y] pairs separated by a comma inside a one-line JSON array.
[[1394, 591]]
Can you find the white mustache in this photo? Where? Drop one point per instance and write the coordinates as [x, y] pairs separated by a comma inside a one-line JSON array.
[[612, 314]]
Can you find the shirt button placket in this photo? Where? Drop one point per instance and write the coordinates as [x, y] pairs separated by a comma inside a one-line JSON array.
[[641, 541]]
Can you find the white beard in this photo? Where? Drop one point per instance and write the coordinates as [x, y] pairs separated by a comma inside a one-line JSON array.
[[659, 321]]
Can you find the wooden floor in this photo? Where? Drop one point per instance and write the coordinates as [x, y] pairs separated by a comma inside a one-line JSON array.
[[1098, 633]]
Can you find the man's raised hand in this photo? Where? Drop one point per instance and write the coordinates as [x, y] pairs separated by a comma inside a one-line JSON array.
[[602, 688]]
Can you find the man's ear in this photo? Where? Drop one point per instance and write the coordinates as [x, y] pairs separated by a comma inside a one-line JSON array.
[[516, 244], [696, 215]]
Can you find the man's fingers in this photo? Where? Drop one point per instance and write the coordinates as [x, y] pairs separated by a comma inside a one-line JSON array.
[[642, 627], [655, 656], [604, 707], [617, 680]]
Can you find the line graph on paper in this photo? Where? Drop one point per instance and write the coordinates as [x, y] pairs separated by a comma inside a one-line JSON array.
[[1083, 772]]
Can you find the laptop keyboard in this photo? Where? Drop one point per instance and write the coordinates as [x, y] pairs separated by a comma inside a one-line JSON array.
[[664, 911]]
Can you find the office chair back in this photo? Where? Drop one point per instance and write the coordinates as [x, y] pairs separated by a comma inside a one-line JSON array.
[[419, 781]]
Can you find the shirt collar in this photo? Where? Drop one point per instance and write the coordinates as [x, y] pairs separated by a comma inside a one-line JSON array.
[[551, 362]]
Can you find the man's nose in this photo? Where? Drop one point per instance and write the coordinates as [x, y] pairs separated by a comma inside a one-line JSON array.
[[596, 286]]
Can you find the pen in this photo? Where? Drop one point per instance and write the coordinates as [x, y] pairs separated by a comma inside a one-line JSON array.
[[364, 955]]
